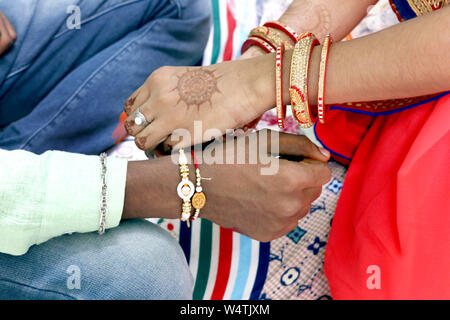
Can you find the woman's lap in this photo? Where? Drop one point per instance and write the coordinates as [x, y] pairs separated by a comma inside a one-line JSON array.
[[137, 260]]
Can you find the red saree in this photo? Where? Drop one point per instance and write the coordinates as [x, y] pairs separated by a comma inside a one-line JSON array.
[[390, 237], [394, 210]]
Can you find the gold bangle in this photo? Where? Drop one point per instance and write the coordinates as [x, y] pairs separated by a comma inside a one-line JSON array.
[[280, 107], [285, 29], [299, 81], [321, 108], [272, 36], [185, 188]]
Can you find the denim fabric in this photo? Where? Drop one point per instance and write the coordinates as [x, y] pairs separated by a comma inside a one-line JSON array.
[[137, 260], [64, 89]]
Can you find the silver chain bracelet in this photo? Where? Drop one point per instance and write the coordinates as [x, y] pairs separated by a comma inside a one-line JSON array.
[[104, 200]]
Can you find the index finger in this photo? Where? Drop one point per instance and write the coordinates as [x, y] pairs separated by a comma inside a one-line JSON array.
[[300, 145], [312, 173]]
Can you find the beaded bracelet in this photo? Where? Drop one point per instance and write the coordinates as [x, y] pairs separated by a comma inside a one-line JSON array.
[[199, 198], [254, 41], [299, 81], [281, 109], [185, 188], [321, 107]]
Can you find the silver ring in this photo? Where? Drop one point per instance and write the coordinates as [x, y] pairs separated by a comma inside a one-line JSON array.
[[139, 119]]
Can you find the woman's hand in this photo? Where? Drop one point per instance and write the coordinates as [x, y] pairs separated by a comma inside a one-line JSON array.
[[222, 96], [7, 34], [263, 207], [231, 95]]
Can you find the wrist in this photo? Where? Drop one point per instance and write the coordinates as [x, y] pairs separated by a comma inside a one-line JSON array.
[[252, 52], [262, 80], [151, 189]]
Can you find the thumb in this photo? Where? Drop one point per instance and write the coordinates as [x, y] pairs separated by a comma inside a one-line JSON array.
[[296, 145]]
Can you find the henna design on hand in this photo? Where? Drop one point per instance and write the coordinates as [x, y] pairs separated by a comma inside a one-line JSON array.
[[197, 86], [129, 126], [141, 142], [129, 105]]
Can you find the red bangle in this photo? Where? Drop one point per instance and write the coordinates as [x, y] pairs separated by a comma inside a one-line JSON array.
[[254, 41], [321, 107], [284, 28], [281, 109]]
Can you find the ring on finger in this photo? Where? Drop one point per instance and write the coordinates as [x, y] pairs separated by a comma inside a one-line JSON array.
[[140, 119]]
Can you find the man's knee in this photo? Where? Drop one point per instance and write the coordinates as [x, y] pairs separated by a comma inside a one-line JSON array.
[[137, 260], [152, 264]]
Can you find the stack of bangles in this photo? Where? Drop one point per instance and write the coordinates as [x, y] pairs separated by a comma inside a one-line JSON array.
[[275, 37], [191, 195]]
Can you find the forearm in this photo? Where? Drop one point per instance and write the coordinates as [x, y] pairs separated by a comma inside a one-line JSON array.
[[321, 17], [407, 60], [45, 196], [151, 190]]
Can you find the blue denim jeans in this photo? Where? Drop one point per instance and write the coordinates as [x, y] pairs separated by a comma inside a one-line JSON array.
[[64, 88], [138, 260]]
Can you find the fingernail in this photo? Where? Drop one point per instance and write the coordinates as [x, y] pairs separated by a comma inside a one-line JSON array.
[[325, 152]]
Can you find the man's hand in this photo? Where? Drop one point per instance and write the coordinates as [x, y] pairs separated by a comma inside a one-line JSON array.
[[263, 207], [7, 34]]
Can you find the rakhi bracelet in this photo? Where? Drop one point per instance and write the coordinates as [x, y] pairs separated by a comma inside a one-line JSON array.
[[285, 29], [254, 41], [299, 81], [185, 188], [321, 107], [271, 36], [281, 109], [104, 197], [199, 198]]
